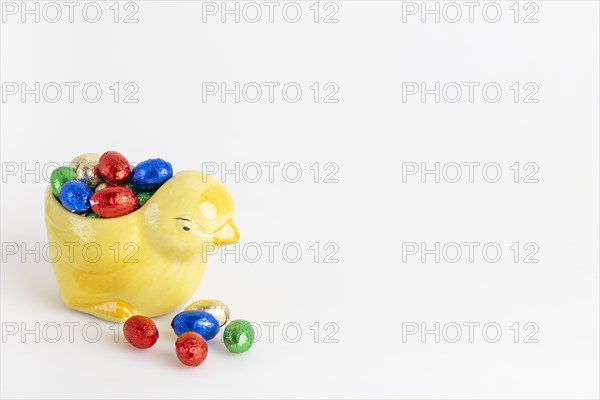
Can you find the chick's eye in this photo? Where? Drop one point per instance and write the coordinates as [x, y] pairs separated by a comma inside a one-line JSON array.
[[184, 224]]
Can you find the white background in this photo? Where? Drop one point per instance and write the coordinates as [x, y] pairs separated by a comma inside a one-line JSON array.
[[371, 295]]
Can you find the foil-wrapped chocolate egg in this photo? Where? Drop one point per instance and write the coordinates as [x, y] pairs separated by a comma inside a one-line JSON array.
[[214, 307], [75, 196], [113, 201], [151, 174], [87, 169], [238, 336], [140, 331], [100, 187], [143, 197], [59, 176], [84, 158], [200, 322], [114, 168], [191, 349]]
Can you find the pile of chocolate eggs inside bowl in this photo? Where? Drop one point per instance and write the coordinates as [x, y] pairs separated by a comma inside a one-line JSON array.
[[107, 185]]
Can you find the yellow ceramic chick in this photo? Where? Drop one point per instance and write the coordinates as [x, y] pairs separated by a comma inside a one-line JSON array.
[[148, 262]]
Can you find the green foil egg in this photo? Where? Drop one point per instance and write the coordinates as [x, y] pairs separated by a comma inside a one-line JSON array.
[[59, 176], [238, 336], [143, 197], [92, 215]]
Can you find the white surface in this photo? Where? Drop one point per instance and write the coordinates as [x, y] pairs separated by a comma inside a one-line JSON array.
[[370, 293]]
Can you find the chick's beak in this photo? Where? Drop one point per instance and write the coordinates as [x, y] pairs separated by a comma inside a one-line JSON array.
[[228, 234]]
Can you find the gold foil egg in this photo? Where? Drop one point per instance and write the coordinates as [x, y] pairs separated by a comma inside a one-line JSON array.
[[101, 186], [214, 307], [87, 157], [87, 169]]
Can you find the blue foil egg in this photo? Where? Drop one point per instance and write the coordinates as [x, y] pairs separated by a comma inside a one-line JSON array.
[[75, 196], [150, 174], [200, 322]]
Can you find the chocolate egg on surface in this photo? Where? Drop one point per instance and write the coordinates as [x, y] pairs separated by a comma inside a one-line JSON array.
[[59, 176], [238, 336], [151, 174], [75, 196], [214, 307], [200, 322], [113, 201], [140, 331], [114, 168], [191, 349]]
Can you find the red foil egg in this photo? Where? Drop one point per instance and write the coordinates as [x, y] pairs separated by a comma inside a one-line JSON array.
[[140, 332], [114, 168], [114, 201], [191, 349]]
